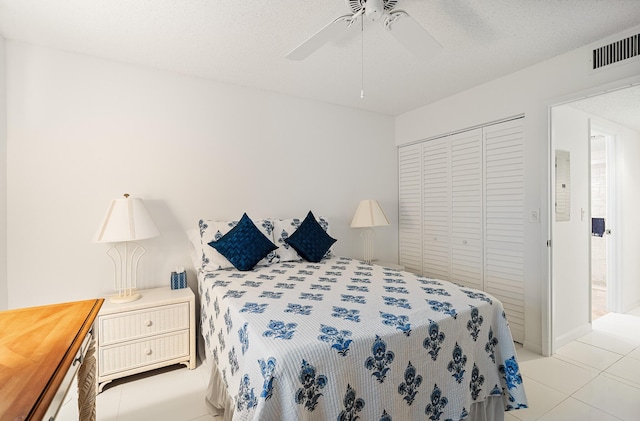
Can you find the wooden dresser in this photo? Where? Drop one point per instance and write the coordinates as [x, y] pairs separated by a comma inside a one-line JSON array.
[[42, 349]]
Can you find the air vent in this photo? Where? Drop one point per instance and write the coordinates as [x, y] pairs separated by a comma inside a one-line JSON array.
[[616, 52]]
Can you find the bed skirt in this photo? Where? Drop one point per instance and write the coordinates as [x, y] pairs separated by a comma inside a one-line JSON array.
[[221, 405]]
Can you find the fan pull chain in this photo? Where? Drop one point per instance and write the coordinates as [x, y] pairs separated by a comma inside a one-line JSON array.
[[362, 58]]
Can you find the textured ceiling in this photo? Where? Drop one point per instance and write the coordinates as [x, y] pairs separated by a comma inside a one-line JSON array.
[[622, 106], [244, 42]]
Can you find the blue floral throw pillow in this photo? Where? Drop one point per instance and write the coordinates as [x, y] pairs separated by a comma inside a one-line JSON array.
[[244, 245], [310, 240]]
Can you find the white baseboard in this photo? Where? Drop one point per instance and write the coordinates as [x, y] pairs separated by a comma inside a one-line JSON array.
[[631, 306], [533, 347], [572, 335]]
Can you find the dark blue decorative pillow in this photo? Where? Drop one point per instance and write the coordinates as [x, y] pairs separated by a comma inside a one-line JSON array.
[[310, 240], [244, 245]]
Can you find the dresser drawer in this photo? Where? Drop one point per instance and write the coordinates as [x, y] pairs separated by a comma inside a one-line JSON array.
[[142, 323], [132, 355]]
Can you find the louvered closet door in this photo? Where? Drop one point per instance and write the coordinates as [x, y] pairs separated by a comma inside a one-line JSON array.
[[410, 207], [504, 219], [436, 195], [466, 209]]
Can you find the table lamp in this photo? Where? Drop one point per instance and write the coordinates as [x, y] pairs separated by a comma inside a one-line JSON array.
[[368, 214], [126, 221]]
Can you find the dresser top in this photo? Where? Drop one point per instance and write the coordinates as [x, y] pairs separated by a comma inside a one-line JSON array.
[[37, 347]]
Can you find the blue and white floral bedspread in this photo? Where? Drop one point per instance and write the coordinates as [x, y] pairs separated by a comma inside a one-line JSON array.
[[343, 340]]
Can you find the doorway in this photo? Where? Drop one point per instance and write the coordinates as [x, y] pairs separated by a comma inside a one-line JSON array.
[[572, 125]]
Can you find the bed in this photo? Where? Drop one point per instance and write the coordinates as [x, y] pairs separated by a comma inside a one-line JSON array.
[[339, 339]]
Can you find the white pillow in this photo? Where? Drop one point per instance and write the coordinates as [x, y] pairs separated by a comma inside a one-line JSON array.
[[283, 228], [194, 239], [209, 259]]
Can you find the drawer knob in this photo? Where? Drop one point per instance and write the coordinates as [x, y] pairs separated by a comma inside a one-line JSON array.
[[148, 323], [464, 241], [147, 351]]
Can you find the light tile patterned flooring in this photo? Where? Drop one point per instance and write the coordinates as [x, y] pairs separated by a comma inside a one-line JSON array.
[[594, 378], [167, 394]]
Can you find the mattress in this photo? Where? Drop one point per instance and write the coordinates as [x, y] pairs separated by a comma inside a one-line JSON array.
[[344, 340]]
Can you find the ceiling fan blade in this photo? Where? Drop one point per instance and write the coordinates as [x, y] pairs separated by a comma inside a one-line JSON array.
[[330, 32], [410, 34]]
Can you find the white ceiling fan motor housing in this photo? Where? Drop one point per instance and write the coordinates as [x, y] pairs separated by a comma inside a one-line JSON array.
[[373, 9]]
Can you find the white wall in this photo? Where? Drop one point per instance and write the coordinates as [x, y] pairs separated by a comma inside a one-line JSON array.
[[570, 132], [83, 131], [3, 181], [530, 91]]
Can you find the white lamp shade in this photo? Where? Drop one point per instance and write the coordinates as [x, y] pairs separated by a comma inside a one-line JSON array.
[[369, 214], [126, 220]]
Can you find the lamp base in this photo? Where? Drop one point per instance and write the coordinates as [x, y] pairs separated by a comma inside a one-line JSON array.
[[367, 239], [125, 257], [119, 299]]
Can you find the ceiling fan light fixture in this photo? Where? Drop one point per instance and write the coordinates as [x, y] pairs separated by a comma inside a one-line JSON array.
[[372, 5], [397, 22], [373, 9]]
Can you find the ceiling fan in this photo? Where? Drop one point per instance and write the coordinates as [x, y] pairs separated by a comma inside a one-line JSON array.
[[398, 22]]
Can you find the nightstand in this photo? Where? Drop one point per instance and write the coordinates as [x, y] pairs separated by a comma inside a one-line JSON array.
[[155, 331]]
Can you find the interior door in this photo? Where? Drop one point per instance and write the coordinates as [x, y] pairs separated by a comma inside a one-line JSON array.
[[410, 207], [467, 209], [436, 157], [604, 248], [504, 219]]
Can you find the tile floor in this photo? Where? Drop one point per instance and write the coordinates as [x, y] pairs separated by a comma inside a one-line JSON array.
[[167, 394], [594, 378]]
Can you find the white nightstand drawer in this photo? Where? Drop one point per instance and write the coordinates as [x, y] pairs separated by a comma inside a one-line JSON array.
[[138, 324], [131, 355]]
